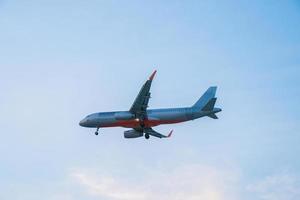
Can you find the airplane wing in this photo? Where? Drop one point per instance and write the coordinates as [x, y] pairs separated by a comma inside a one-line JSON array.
[[152, 132], [141, 101]]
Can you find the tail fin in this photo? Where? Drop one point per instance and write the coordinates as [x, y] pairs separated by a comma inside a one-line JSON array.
[[210, 105], [206, 97]]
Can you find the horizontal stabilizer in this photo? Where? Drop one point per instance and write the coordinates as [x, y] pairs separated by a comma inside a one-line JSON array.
[[210, 105], [213, 115]]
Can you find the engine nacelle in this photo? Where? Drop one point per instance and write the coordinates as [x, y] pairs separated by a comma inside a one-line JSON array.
[[132, 134], [124, 116]]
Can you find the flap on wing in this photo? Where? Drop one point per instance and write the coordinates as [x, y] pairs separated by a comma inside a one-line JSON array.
[[152, 132]]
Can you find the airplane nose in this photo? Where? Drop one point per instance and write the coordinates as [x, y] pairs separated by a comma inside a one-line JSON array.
[[82, 122]]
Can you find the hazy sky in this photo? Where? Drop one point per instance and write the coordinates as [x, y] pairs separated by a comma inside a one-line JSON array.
[[61, 60]]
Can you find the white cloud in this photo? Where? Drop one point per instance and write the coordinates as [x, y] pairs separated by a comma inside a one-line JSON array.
[[190, 182], [107, 187], [277, 187]]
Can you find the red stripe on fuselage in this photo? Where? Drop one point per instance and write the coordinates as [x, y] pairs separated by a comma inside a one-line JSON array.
[[135, 123]]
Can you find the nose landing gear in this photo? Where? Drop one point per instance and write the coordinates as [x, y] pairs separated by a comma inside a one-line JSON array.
[[97, 131]]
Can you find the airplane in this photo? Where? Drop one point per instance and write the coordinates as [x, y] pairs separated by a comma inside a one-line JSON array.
[[141, 120]]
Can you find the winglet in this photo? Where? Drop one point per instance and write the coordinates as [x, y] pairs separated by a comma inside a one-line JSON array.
[[152, 75], [170, 134]]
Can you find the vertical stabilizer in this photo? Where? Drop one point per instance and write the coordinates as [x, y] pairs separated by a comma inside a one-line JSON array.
[[206, 97], [210, 105]]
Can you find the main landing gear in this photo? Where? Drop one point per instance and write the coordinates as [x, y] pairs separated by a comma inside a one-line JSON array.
[[97, 131], [147, 136]]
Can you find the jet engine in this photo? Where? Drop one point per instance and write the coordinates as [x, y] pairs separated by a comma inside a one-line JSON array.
[[132, 134], [124, 116]]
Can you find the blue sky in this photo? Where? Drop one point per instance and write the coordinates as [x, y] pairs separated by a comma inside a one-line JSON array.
[[61, 60]]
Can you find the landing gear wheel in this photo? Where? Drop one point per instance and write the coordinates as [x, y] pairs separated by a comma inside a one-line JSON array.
[[97, 131], [147, 136]]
